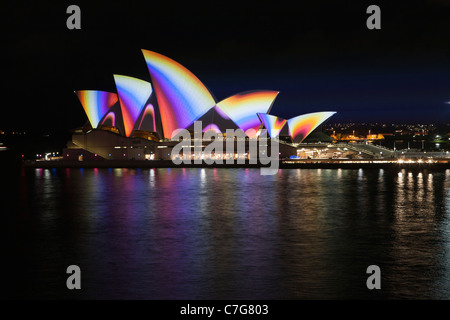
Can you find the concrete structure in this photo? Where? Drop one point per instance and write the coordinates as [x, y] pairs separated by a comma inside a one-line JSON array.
[[100, 145]]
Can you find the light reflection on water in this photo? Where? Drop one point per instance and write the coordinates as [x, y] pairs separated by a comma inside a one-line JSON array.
[[232, 233]]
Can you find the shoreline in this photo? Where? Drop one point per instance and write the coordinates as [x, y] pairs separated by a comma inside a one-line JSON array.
[[283, 164]]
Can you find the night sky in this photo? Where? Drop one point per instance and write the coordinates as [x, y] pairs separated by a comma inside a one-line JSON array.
[[319, 55]]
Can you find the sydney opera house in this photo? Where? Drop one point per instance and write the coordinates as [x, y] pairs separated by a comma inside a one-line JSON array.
[[139, 120]]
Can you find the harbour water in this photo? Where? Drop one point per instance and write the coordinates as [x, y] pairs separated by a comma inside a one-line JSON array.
[[210, 233]]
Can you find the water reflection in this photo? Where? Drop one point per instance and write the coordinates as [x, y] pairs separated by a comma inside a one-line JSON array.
[[446, 189], [418, 247], [232, 233]]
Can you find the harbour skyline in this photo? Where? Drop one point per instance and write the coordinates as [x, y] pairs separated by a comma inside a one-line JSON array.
[[319, 56]]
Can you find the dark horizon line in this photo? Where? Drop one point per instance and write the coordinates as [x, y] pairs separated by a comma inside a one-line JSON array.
[[27, 131]]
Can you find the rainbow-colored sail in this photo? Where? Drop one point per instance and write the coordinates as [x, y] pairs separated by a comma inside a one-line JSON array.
[[242, 109], [110, 117], [133, 94], [213, 127], [96, 104], [273, 124], [182, 97], [149, 112], [300, 127]]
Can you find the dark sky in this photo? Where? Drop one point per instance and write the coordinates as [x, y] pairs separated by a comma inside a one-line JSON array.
[[319, 55]]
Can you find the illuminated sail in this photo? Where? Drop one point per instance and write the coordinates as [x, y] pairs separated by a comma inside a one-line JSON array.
[[273, 124], [182, 97], [217, 119], [110, 117], [300, 127], [212, 127], [133, 94], [96, 104], [242, 109], [149, 112]]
